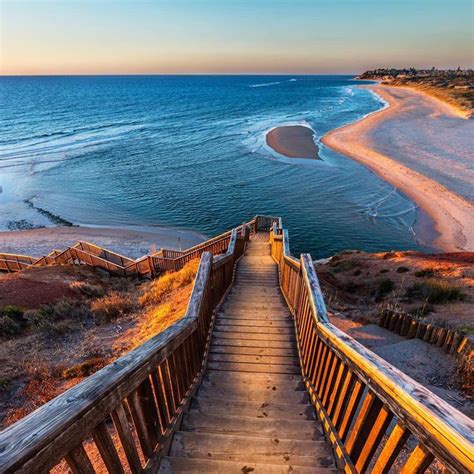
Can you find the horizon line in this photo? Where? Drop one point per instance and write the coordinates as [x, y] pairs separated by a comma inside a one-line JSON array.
[[181, 74]]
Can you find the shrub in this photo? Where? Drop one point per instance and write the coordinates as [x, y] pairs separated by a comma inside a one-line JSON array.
[[87, 289], [435, 291], [427, 272], [403, 269], [156, 291], [112, 306], [84, 369], [385, 287], [60, 317], [14, 312], [9, 327]]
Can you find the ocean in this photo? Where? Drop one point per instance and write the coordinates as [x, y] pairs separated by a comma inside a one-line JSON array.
[[189, 152]]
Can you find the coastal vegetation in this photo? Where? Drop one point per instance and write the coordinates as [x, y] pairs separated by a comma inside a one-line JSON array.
[[455, 86], [91, 320]]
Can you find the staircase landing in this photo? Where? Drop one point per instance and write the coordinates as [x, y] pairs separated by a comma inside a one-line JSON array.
[[251, 412]]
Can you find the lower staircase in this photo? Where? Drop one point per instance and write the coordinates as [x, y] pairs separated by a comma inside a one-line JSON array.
[[251, 412]]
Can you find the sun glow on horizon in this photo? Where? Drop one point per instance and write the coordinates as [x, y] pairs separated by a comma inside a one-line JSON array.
[[207, 36]]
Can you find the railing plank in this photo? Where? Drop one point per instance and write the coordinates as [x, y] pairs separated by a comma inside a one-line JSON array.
[[79, 462], [122, 427], [397, 439], [106, 448]]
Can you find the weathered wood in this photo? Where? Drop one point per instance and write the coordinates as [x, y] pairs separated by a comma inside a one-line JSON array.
[[106, 448], [418, 461], [397, 439], [79, 462], [122, 427], [446, 432]]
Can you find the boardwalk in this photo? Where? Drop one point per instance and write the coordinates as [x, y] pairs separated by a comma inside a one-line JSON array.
[[245, 382], [251, 410]]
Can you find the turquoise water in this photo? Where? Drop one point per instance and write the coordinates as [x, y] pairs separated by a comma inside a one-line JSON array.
[[190, 152]]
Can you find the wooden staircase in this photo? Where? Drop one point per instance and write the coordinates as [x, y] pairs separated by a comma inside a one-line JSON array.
[[244, 382], [251, 412]]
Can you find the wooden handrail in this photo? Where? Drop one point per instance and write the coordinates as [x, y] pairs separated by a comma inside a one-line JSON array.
[[139, 397], [369, 409], [106, 259]]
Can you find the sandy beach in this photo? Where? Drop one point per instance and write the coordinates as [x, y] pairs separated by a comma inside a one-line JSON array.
[[130, 242], [293, 141], [423, 147]]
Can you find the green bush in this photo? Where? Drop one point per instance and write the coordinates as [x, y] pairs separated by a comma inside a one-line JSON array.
[[59, 318], [435, 291], [12, 311], [9, 327], [403, 269], [385, 287], [427, 272]]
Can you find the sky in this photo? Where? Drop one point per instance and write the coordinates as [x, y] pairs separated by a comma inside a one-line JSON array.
[[232, 36]]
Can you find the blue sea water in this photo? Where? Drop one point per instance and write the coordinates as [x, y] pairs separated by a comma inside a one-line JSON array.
[[189, 151]]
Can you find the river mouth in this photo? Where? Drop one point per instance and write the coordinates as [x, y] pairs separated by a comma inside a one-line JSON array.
[[293, 141]]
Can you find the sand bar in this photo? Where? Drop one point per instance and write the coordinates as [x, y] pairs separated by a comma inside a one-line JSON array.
[[130, 242], [410, 144], [293, 141]]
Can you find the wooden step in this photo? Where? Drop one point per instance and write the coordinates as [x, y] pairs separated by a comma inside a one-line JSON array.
[[273, 382], [244, 377], [254, 359], [245, 342], [267, 351], [255, 329], [217, 334], [251, 449], [255, 393], [218, 406], [234, 312], [256, 323], [251, 426], [260, 368], [203, 466], [258, 307]]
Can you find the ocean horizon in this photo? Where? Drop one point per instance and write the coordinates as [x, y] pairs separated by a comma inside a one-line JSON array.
[[189, 152]]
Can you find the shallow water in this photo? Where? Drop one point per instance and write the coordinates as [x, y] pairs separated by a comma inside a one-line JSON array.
[[190, 152]]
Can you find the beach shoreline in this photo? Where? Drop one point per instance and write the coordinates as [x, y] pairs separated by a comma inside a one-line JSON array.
[[133, 242], [451, 213], [293, 141]]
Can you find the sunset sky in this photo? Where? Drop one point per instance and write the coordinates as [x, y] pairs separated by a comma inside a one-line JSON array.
[[224, 36]]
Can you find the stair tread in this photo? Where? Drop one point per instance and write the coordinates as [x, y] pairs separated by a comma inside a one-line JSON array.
[[256, 394], [272, 409], [254, 359], [251, 411], [245, 367], [182, 465], [243, 448], [270, 351], [251, 426]]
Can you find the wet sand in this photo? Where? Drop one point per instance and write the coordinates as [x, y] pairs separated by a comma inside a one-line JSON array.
[[130, 242], [293, 141], [421, 146]]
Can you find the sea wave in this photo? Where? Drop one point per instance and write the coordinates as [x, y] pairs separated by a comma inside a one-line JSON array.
[[61, 145], [267, 84]]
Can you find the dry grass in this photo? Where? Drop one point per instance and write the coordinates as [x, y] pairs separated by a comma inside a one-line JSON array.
[[66, 337], [88, 289], [113, 306], [435, 291], [39, 389], [156, 291]]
